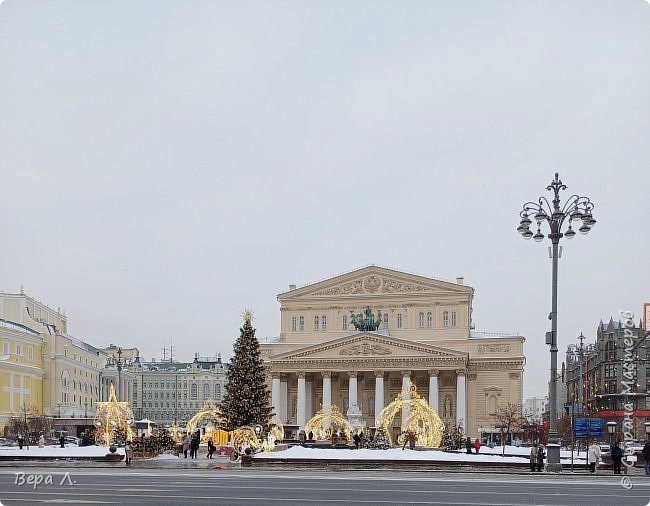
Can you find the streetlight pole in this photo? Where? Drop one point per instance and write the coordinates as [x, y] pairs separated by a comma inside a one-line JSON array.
[[576, 208]]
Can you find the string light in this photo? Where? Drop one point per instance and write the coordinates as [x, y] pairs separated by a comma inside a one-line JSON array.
[[111, 416]]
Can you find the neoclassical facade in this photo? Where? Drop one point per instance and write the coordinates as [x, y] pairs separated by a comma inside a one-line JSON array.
[[425, 336]]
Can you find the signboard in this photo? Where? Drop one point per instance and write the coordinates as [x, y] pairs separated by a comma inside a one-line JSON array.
[[588, 427]]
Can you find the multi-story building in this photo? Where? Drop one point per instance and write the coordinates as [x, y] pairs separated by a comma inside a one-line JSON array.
[[594, 372], [534, 408], [425, 336], [48, 370], [167, 391]]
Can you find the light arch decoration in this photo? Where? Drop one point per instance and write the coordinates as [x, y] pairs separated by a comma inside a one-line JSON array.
[[422, 419], [209, 412], [327, 420]]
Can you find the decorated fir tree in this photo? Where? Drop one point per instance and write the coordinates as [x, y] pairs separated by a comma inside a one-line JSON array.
[[381, 440], [247, 400]]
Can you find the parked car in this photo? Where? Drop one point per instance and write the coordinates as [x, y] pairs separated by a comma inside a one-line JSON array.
[[71, 440]]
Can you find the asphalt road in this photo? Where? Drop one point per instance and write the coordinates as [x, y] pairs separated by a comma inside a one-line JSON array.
[[259, 487]]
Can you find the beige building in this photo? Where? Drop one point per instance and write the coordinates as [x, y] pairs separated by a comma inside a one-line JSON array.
[[425, 335]]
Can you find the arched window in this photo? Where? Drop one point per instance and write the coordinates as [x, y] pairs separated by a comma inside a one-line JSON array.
[[344, 322], [315, 322], [293, 324], [217, 392], [399, 320], [206, 391], [421, 320], [324, 322], [302, 324], [453, 318], [194, 391], [429, 320], [445, 319], [386, 321]]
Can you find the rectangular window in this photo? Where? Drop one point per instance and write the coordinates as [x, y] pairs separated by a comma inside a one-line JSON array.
[[5, 348], [294, 324], [445, 319], [610, 370], [453, 318], [324, 322], [30, 353], [302, 324], [386, 321], [315, 322], [344, 322], [399, 320]]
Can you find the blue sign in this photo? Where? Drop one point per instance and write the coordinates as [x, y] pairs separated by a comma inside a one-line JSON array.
[[588, 427]]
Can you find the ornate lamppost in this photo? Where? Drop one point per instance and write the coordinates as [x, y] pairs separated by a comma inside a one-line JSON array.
[[119, 363], [575, 209]]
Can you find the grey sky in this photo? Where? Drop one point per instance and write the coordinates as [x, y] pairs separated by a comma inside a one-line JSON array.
[[167, 164]]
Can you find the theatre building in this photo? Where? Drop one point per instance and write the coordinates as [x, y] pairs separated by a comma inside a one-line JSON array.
[[424, 334]]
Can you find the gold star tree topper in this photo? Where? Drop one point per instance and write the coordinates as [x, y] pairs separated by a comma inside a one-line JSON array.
[[247, 315]]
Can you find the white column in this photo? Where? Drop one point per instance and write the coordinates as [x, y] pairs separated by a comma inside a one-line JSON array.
[[406, 395], [284, 400], [275, 395], [301, 407], [433, 389], [379, 392], [309, 403], [352, 389], [461, 402], [327, 390]]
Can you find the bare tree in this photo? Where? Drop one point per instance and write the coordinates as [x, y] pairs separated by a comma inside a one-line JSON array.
[[29, 424], [508, 419]]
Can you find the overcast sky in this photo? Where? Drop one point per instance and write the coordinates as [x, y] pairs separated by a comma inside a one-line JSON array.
[[165, 165]]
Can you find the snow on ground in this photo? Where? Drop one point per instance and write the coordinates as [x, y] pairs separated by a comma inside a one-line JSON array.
[[56, 451], [299, 452]]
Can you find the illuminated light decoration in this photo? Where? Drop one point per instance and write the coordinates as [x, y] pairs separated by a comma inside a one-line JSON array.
[[252, 437], [111, 416], [211, 413], [327, 420], [422, 420]]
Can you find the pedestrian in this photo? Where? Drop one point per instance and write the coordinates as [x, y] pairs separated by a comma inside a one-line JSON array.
[[128, 452], [21, 441], [533, 457], [194, 446], [301, 437], [468, 444], [62, 441], [646, 457], [477, 445], [541, 455], [186, 445], [617, 457], [593, 457], [211, 448], [357, 440], [311, 435], [41, 441]]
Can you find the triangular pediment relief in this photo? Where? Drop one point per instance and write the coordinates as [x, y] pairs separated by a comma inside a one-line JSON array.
[[368, 345], [375, 280]]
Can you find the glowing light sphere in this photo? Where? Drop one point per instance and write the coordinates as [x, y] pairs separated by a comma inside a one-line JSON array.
[[211, 413], [422, 420]]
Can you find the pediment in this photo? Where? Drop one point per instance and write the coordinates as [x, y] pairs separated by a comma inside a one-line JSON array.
[[365, 345], [373, 280]]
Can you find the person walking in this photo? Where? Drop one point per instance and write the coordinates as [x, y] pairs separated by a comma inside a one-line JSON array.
[[302, 437], [533, 457], [468, 444], [186, 444], [21, 441], [617, 457], [62, 441], [646, 457], [128, 452], [541, 455], [477, 445], [357, 440], [41, 441], [594, 455], [211, 448], [310, 435]]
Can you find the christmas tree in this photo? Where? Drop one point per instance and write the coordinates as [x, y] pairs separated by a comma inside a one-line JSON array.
[[247, 398], [381, 440]]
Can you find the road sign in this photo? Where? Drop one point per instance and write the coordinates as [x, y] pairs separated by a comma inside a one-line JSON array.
[[588, 427]]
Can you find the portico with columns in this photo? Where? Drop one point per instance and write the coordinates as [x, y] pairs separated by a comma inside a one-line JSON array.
[[320, 359]]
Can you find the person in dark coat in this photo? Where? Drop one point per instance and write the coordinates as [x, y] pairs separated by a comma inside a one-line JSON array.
[[21, 442], [541, 455], [310, 436], [357, 440], [62, 441], [617, 457], [194, 447], [211, 448], [468, 444]]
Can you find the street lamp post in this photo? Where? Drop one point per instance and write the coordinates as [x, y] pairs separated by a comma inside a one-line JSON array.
[[576, 208], [611, 429], [119, 363]]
